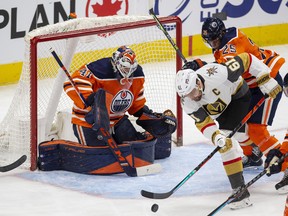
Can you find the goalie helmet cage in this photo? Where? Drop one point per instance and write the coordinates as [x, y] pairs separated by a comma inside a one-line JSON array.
[[40, 110]]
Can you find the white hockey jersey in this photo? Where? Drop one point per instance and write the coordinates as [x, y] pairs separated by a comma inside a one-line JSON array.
[[222, 83], [217, 90]]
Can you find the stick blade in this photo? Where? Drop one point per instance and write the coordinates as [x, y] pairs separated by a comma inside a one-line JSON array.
[[152, 195], [149, 169], [14, 165], [141, 171]]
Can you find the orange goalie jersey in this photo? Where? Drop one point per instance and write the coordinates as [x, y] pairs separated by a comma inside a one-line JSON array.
[[235, 42], [100, 74]]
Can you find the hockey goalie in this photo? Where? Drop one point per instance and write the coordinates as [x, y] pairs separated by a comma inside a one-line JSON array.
[[103, 92]]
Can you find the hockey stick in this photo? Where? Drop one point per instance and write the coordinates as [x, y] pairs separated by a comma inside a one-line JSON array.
[[161, 27], [68, 75], [165, 195], [242, 189], [128, 169], [13, 165], [101, 124]]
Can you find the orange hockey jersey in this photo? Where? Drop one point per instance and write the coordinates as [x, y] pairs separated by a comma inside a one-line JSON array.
[[235, 42], [100, 74]]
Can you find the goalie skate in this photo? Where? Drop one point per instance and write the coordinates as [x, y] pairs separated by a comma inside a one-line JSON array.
[[242, 201]]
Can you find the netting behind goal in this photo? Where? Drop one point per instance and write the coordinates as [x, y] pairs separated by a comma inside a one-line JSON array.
[[40, 110]]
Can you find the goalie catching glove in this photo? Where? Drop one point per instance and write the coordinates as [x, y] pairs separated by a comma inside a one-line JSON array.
[[157, 124], [268, 85]]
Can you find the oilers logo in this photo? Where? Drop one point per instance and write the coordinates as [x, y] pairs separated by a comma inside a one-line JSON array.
[[122, 101]]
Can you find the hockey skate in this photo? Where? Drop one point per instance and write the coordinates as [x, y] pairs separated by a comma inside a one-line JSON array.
[[253, 160], [282, 186], [242, 201]]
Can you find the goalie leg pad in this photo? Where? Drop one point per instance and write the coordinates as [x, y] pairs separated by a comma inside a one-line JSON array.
[[157, 124], [74, 157], [163, 147], [89, 137]]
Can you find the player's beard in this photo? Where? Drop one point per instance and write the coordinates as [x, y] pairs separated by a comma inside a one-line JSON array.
[[198, 98]]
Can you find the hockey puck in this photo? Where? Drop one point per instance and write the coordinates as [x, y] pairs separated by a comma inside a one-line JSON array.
[[154, 207]]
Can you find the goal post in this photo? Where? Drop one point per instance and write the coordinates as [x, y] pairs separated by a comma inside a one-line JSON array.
[[40, 109]]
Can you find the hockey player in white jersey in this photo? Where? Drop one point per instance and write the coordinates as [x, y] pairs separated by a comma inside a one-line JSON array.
[[217, 98]]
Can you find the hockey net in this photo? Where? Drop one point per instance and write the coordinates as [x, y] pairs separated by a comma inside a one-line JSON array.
[[41, 111]]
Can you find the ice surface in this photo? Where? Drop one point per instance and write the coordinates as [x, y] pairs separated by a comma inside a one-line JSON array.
[[61, 193]]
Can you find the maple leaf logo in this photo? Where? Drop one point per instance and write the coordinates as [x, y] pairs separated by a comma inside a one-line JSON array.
[[107, 8]]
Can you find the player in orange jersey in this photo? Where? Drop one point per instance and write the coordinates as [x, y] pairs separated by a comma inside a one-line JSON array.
[[225, 44], [282, 186], [123, 79], [273, 166], [275, 154]]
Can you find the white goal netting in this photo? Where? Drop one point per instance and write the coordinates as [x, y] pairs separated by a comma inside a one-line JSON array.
[[40, 110]]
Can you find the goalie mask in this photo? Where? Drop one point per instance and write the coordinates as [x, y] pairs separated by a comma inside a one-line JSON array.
[[125, 63], [189, 84]]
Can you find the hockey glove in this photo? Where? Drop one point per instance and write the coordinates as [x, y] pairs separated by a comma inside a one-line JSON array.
[[268, 85], [222, 141], [194, 65], [285, 85], [157, 124], [271, 162], [98, 116], [90, 99]]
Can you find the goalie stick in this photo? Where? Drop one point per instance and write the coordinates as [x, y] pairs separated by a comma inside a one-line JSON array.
[[127, 168], [243, 188], [165, 195], [161, 27], [13, 165]]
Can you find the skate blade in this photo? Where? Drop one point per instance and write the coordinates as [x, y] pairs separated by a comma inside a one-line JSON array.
[[240, 204], [283, 190]]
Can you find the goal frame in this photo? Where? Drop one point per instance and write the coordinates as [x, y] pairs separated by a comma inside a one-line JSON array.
[[87, 32]]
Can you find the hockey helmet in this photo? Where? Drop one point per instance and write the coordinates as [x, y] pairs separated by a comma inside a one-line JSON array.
[[186, 82], [124, 60], [213, 29]]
